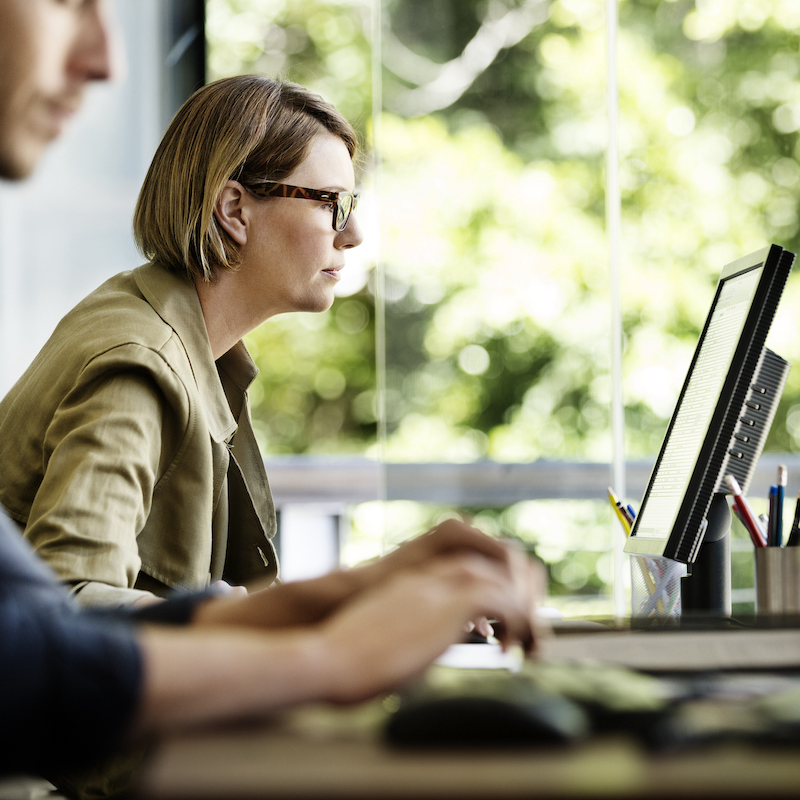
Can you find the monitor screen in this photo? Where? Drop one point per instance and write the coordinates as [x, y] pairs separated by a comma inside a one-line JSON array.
[[708, 417]]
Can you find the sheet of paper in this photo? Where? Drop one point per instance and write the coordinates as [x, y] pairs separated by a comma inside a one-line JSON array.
[[481, 656]]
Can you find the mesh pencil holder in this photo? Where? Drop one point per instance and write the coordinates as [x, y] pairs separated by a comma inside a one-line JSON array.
[[656, 586]]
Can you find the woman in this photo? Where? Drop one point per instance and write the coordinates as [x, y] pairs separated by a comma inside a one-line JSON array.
[[128, 453]]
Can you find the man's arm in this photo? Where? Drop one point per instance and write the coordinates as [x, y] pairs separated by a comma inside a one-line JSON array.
[[370, 645], [69, 683], [73, 684]]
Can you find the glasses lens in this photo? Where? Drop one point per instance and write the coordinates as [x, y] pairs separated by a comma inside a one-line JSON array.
[[344, 206]]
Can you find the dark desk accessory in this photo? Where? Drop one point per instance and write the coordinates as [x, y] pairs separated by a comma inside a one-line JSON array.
[[544, 704], [484, 708]]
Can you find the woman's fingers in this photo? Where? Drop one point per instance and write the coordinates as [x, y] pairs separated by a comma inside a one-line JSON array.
[[389, 634], [449, 537], [223, 587]]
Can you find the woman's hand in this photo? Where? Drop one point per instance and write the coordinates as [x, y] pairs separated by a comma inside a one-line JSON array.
[[375, 643], [307, 602], [451, 536], [223, 588], [454, 536], [241, 656], [389, 634]]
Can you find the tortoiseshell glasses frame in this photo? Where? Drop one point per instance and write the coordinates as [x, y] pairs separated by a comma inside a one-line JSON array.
[[344, 202]]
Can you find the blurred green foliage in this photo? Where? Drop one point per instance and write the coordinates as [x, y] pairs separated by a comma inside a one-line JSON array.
[[315, 391], [492, 208], [484, 171]]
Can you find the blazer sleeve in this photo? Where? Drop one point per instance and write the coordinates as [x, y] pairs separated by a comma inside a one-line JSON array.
[[111, 439]]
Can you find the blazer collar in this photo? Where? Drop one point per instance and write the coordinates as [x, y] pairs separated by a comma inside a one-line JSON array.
[[174, 298]]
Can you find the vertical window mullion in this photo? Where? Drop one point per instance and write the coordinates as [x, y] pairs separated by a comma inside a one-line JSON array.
[[613, 238]]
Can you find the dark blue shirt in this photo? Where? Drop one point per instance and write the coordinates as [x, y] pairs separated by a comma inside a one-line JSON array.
[[70, 680]]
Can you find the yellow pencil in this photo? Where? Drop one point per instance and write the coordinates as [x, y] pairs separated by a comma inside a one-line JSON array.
[[626, 525], [623, 518]]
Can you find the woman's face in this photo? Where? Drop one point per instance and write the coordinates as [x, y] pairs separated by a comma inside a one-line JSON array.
[[292, 257]]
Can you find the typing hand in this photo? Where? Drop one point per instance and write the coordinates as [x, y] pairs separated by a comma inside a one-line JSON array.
[[388, 635]]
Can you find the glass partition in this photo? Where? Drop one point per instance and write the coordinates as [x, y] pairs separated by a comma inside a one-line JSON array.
[[486, 133], [709, 93], [492, 146]]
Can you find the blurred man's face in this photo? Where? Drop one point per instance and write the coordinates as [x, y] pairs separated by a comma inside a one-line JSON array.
[[49, 51]]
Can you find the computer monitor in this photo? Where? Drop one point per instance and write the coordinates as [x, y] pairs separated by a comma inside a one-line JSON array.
[[723, 412]]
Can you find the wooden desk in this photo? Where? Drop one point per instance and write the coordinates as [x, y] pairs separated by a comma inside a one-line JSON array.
[[299, 761], [324, 753]]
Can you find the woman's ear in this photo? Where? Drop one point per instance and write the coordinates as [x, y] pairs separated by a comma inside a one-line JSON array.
[[229, 211]]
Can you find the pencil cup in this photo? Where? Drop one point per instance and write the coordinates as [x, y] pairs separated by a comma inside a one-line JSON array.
[[777, 580], [656, 586]]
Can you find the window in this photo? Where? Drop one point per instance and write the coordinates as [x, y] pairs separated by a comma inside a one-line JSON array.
[[487, 126]]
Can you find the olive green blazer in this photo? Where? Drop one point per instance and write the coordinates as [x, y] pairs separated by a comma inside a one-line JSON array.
[[127, 454]]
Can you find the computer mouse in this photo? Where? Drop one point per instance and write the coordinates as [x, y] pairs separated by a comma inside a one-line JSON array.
[[516, 715]]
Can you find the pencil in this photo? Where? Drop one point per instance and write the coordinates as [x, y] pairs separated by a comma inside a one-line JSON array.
[[620, 511], [746, 513]]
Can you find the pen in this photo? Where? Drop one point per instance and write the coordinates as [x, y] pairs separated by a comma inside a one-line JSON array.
[[747, 516], [628, 516], [794, 534], [620, 511], [627, 511], [782, 479], [762, 518], [773, 516]]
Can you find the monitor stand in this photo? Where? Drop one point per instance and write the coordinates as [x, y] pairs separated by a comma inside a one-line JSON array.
[[706, 588]]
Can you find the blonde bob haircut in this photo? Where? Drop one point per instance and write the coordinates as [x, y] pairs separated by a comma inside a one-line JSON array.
[[248, 128]]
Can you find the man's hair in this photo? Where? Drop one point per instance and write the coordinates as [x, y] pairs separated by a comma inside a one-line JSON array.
[[248, 128]]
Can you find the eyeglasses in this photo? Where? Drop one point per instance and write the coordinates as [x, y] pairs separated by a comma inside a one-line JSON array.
[[346, 202]]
